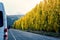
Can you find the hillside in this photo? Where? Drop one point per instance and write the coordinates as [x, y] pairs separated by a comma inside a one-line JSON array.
[[12, 18], [45, 16]]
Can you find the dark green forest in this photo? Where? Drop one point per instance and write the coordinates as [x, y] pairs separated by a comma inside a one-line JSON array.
[[45, 16]]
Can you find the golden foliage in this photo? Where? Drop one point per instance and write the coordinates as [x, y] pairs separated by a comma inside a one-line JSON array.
[[44, 16]]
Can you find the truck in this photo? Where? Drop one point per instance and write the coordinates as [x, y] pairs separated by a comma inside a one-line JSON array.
[[3, 23]]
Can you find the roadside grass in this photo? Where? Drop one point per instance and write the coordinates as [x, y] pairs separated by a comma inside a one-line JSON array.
[[52, 34]]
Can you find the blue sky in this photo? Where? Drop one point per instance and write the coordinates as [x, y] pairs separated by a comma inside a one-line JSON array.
[[19, 7]]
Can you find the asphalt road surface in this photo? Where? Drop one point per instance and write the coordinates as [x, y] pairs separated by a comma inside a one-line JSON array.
[[21, 35]]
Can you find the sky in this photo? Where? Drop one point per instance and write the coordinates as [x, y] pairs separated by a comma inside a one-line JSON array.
[[19, 7]]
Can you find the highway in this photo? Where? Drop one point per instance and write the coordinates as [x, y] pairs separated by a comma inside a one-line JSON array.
[[22, 35]]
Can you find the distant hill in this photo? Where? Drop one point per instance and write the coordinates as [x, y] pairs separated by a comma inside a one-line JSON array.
[[12, 18]]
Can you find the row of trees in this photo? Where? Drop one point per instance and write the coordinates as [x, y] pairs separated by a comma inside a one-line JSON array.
[[45, 16]]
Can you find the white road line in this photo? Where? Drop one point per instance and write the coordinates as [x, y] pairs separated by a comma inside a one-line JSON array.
[[33, 34], [13, 35]]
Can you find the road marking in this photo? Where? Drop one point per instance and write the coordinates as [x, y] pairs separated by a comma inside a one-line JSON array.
[[13, 35], [37, 36]]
